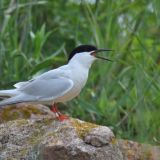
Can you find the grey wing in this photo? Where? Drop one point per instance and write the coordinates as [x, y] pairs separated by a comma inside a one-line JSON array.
[[47, 89], [52, 74]]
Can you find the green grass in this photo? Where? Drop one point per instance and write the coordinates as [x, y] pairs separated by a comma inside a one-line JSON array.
[[37, 35]]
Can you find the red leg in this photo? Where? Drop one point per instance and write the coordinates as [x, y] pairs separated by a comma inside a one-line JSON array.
[[59, 116], [54, 108]]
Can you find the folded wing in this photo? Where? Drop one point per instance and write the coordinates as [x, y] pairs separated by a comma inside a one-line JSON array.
[[41, 90], [48, 88]]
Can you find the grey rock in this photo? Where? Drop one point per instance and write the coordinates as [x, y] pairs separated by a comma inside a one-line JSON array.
[[47, 139], [99, 136], [34, 134], [67, 145]]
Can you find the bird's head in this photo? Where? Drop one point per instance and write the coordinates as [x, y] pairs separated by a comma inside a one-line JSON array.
[[86, 55]]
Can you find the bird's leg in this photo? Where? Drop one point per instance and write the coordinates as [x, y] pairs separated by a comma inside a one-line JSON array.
[[59, 115]]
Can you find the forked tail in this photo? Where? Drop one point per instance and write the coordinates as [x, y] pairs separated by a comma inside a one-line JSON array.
[[8, 93]]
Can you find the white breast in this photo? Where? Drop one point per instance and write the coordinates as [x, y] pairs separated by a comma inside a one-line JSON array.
[[79, 76]]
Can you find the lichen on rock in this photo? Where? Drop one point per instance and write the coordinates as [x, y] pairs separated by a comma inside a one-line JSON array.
[[40, 136], [45, 138], [82, 127], [23, 111]]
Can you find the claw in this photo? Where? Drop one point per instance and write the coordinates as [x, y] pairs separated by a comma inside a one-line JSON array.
[[62, 117]]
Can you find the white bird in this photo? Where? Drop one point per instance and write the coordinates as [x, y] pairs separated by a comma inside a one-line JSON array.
[[58, 85]]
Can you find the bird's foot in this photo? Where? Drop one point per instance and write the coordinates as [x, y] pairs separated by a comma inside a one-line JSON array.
[[61, 117]]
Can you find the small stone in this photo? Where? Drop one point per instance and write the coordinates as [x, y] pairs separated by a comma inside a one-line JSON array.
[[99, 136]]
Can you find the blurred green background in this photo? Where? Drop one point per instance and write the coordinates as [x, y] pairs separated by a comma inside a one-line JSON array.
[[37, 35]]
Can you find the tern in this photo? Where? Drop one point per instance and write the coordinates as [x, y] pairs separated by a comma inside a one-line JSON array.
[[58, 85]]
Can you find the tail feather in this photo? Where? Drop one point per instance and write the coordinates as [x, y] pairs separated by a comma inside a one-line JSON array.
[[16, 99], [9, 101], [8, 93]]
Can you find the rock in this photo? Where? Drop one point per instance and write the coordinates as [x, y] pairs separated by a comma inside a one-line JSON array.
[[52, 140], [136, 151], [67, 144], [99, 136], [45, 138], [24, 111], [38, 136]]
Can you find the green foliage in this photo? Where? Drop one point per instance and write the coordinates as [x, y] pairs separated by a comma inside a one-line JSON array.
[[37, 35]]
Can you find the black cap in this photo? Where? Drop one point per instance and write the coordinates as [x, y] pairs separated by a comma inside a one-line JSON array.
[[82, 48]]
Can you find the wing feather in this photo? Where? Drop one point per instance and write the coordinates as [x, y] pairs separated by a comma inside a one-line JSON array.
[[45, 89]]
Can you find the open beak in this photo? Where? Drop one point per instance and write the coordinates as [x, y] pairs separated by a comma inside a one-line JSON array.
[[94, 53]]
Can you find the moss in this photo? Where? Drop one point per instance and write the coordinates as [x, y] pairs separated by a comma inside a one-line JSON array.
[[82, 128], [35, 138], [7, 113], [29, 110], [48, 121], [14, 112], [50, 134], [21, 122], [23, 152], [147, 154], [113, 141]]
